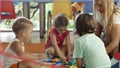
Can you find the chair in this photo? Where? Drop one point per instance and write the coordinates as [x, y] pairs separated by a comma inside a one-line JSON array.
[[64, 7], [7, 10]]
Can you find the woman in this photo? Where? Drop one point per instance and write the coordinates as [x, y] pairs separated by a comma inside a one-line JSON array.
[[107, 14]]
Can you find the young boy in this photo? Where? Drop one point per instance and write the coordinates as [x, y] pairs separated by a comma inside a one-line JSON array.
[[22, 27], [89, 50]]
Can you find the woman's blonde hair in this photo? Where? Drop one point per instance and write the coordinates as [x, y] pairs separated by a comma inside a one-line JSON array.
[[21, 23], [109, 9]]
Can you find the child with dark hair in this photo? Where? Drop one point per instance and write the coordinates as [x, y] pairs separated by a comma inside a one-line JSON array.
[[88, 48], [58, 43]]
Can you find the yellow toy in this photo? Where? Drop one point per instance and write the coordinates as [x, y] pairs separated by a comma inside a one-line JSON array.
[[73, 66], [55, 60]]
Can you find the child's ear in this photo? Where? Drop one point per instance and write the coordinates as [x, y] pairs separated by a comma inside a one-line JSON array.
[[22, 32]]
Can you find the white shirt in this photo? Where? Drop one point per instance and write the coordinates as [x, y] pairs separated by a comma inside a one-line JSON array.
[[8, 61]]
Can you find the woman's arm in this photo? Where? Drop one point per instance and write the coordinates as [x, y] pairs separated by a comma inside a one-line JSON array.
[[98, 30], [79, 62], [57, 49], [115, 38]]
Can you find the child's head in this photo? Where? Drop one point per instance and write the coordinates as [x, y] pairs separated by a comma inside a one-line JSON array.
[[60, 23], [22, 28], [85, 24]]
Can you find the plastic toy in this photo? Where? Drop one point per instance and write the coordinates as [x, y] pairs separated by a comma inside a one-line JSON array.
[[73, 66], [61, 64], [55, 59]]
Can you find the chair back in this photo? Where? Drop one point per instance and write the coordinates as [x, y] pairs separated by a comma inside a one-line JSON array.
[[62, 6]]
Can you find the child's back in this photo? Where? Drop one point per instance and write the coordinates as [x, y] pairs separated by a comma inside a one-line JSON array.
[[89, 50], [92, 51]]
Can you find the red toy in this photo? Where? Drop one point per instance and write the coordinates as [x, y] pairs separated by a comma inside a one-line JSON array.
[[117, 56]]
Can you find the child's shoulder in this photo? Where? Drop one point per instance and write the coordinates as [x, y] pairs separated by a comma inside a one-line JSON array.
[[53, 31], [15, 41], [67, 31], [14, 44]]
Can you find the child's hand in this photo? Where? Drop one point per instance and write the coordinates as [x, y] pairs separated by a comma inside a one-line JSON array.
[[63, 58], [69, 57]]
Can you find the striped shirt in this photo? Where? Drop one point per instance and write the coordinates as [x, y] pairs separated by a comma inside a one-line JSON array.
[[91, 49]]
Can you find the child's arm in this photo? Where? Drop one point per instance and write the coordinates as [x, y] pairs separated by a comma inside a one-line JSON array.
[[68, 47], [79, 62], [57, 49], [16, 47]]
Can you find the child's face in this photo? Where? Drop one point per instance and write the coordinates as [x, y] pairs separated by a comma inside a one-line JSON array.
[[28, 34], [60, 30]]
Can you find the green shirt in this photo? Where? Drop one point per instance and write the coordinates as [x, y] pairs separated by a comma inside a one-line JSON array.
[[91, 49]]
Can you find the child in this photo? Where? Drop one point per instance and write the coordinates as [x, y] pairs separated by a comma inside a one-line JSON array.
[[58, 43], [22, 27], [88, 48]]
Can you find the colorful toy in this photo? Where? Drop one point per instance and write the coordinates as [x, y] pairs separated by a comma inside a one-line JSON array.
[[55, 59], [117, 56], [73, 66], [61, 64]]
